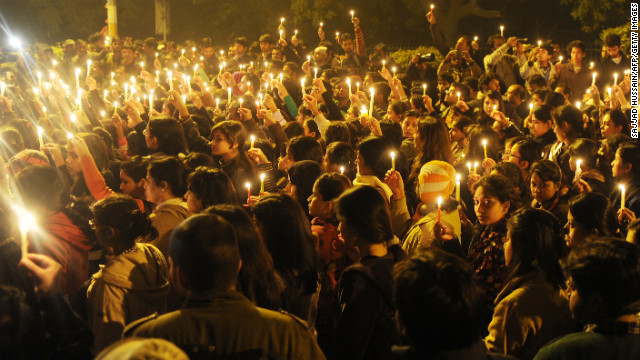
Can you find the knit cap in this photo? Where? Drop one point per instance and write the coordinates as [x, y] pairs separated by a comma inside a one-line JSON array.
[[436, 179]]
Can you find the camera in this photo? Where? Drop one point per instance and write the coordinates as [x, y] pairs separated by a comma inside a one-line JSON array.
[[427, 57]]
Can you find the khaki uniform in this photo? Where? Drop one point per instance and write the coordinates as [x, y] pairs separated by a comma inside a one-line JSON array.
[[226, 323]]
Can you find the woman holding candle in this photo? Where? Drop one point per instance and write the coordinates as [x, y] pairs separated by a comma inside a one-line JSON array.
[[594, 173], [436, 180], [63, 232], [626, 172], [207, 187], [530, 309]]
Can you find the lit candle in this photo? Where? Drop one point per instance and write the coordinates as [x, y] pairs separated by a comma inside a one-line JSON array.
[[3, 87], [393, 161], [469, 166], [189, 85], [321, 24], [393, 69], [439, 207], [432, 6], [357, 87], [253, 141], [364, 111], [248, 186], [424, 89], [578, 170], [115, 107], [26, 223], [78, 78], [593, 82], [458, 95], [458, 188], [484, 145], [315, 73], [170, 75], [591, 65], [352, 13], [560, 59], [623, 191], [258, 105], [578, 104], [104, 94], [349, 85], [241, 101], [373, 92], [281, 32], [40, 136], [475, 167], [341, 170], [150, 101], [88, 67], [217, 103], [337, 34], [539, 43], [530, 107], [182, 52], [384, 64], [228, 96], [281, 20], [69, 135], [475, 38], [615, 79], [501, 30], [262, 183]]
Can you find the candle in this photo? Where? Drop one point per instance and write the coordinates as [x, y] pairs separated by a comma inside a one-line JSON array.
[[424, 89], [501, 30], [262, 176], [484, 145], [439, 207], [26, 224], [458, 95], [469, 166], [170, 75], [578, 170], [281, 31], [241, 101], [281, 20], [258, 105], [615, 79], [530, 107], [475, 38], [384, 64], [150, 101], [3, 87], [115, 107], [349, 85], [248, 186], [539, 43], [357, 87], [78, 78], [228, 96], [458, 188], [315, 73], [593, 82], [578, 104], [88, 67], [591, 65], [560, 59], [295, 32], [393, 69], [623, 191], [182, 52], [352, 13], [69, 135], [610, 99], [364, 111], [475, 167], [321, 24], [393, 161], [253, 141], [217, 103], [40, 136], [373, 92], [104, 94], [341, 170], [281, 76], [432, 6]]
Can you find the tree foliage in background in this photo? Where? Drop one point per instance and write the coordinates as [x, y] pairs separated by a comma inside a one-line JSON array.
[[597, 14], [622, 31]]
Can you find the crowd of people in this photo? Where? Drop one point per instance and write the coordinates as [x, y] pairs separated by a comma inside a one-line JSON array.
[[277, 200]]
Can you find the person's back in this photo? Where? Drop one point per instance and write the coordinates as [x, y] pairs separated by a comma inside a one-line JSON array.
[[604, 289], [216, 318]]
